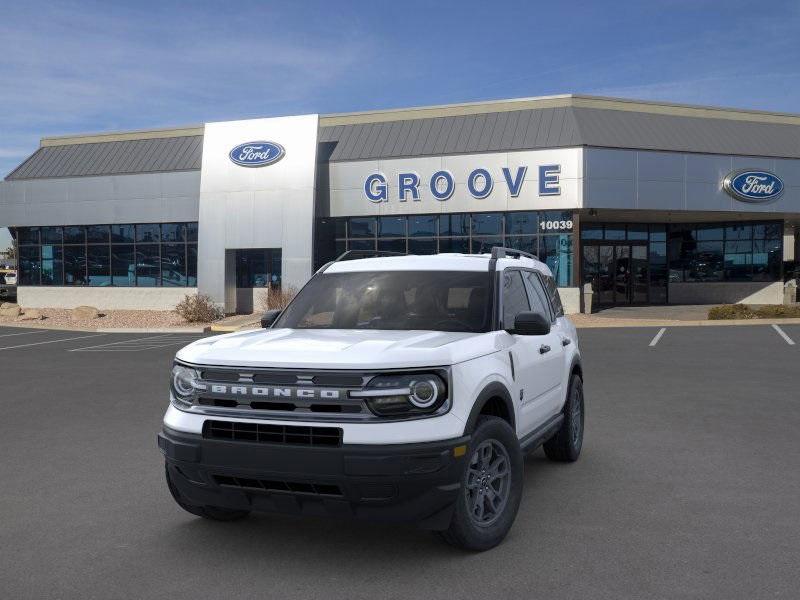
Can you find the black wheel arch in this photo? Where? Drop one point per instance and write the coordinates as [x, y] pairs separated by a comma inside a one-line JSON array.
[[496, 398]]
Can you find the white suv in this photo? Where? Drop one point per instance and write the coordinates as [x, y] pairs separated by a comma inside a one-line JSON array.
[[402, 388]]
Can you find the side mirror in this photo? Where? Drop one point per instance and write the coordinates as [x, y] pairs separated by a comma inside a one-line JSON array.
[[531, 323], [269, 318]]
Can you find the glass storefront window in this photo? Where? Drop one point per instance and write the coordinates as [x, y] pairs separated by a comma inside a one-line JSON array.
[[52, 265], [74, 265], [445, 233], [173, 265], [453, 225], [107, 255], [74, 235], [526, 243], [487, 224], [99, 265], [97, 234], [556, 251], [419, 246], [396, 245], [591, 231], [454, 245], [173, 232], [362, 227], [148, 265], [522, 223], [30, 264], [614, 231], [391, 227], [123, 265], [122, 234], [27, 235], [482, 245], [148, 233], [638, 232], [51, 235], [422, 226]]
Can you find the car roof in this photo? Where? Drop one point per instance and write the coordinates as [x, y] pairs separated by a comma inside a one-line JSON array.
[[433, 262]]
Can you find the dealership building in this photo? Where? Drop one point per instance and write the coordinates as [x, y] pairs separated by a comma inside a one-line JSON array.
[[651, 203]]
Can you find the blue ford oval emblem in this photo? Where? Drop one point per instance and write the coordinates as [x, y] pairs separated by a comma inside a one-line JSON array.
[[257, 154], [753, 186]]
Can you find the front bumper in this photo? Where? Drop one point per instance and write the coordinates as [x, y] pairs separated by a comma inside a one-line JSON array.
[[411, 483]]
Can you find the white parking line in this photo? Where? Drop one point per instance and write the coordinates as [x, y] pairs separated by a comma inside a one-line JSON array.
[[24, 333], [146, 343], [83, 337], [658, 336], [782, 333]]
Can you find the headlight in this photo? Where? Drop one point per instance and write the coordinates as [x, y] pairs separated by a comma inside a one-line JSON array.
[[406, 394], [185, 382]]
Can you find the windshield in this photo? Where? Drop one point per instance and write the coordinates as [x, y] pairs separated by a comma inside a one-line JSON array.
[[433, 300]]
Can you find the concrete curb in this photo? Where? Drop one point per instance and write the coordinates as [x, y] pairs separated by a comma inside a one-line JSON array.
[[37, 325], [155, 330], [600, 322]]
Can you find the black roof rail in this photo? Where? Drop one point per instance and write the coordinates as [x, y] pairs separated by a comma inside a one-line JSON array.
[[500, 252]]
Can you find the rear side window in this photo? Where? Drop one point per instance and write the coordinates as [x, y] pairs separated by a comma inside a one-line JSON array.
[[552, 292], [515, 298], [537, 295]]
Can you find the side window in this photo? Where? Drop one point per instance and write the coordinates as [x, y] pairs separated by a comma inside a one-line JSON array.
[[537, 294], [555, 299], [515, 298]]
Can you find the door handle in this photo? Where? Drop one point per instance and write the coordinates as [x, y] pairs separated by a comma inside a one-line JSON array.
[[544, 349], [566, 342]]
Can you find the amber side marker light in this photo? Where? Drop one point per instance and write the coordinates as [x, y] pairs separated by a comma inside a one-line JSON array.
[[459, 451]]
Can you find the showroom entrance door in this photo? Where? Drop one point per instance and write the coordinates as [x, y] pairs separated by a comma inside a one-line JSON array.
[[618, 272]]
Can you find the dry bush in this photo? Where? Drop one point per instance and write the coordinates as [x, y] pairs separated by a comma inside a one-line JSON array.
[[198, 308], [731, 311], [271, 298], [747, 311]]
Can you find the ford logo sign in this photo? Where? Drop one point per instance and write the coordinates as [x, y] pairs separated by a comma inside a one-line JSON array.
[[753, 186], [257, 154]]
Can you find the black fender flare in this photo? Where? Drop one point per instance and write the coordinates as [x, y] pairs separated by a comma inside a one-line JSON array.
[[494, 389]]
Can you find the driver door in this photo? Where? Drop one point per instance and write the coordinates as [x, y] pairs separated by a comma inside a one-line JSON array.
[[537, 358]]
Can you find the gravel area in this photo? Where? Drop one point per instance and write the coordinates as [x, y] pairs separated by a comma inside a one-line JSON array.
[[55, 318]]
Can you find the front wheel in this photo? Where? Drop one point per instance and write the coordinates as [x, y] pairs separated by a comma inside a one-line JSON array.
[[491, 488], [566, 444]]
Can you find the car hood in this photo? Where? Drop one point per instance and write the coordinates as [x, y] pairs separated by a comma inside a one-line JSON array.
[[338, 348]]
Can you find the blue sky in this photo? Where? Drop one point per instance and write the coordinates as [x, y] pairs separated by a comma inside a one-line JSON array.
[[74, 67]]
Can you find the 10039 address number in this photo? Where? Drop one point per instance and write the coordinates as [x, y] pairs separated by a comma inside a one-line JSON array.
[[565, 225]]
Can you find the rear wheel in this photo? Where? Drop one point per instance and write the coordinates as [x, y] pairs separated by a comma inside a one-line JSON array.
[[566, 444], [215, 513], [491, 488]]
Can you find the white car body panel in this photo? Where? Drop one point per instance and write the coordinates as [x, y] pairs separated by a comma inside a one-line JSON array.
[[537, 385]]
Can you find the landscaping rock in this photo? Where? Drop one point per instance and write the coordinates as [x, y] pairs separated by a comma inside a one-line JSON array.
[[31, 315], [84, 313], [12, 311], [8, 304]]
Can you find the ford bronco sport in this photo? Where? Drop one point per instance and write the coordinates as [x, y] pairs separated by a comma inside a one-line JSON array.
[[396, 388]]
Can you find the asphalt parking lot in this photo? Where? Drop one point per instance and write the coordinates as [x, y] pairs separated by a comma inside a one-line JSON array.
[[688, 486]]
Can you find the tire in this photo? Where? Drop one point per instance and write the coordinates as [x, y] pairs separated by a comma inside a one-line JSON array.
[[566, 444], [482, 519], [214, 513]]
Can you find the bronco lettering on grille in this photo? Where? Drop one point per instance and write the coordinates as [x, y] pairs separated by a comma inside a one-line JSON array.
[[275, 392]]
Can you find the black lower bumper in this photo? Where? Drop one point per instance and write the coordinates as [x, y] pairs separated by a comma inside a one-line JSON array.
[[396, 483]]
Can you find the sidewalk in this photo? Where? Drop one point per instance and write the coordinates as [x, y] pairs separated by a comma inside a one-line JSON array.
[[661, 316]]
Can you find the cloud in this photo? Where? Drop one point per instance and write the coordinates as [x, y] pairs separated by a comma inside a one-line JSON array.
[[74, 68]]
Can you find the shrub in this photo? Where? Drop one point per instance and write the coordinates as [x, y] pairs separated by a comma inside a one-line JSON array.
[[271, 297], [747, 311], [778, 311], [198, 308], [731, 311]]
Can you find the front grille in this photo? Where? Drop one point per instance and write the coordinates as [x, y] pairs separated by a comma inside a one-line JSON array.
[[288, 487], [273, 434]]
